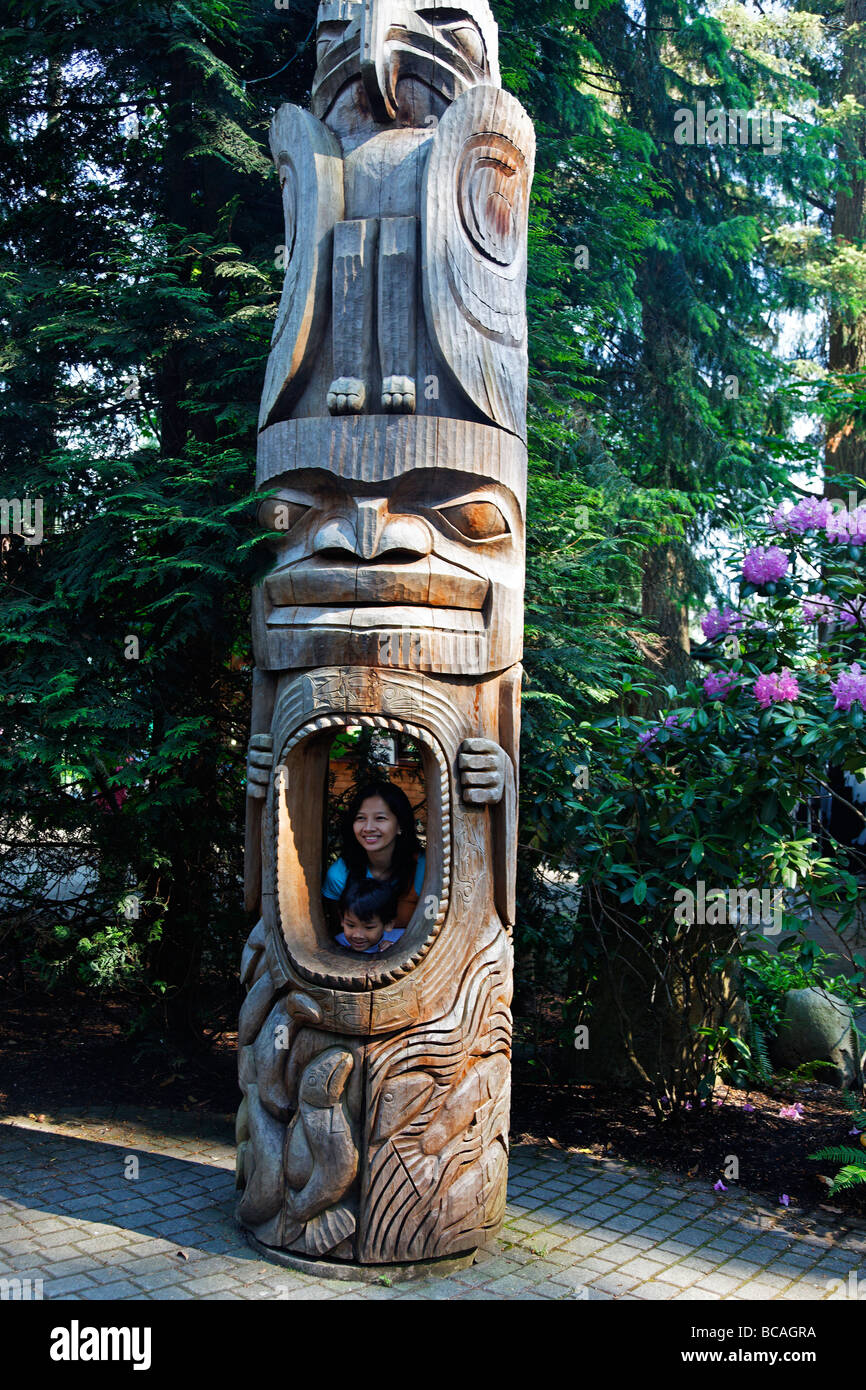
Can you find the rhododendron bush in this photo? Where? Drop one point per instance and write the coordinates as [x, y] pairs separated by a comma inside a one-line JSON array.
[[718, 797]]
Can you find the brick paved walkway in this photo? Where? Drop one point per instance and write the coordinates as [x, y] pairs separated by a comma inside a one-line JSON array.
[[141, 1208]]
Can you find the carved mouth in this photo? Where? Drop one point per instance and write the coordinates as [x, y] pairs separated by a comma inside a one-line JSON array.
[[426, 583], [296, 807], [379, 618]]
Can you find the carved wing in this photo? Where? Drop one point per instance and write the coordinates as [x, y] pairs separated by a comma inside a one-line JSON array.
[[474, 226], [310, 164]]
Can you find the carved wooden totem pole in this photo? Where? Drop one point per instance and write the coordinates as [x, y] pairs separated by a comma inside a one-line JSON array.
[[374, 1124]]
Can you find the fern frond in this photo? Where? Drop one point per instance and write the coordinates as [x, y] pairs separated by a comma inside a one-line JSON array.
[[842, 1155], [761, 1053], [849, 1176]]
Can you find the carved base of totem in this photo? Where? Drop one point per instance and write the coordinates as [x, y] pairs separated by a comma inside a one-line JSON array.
[[365, 1274], [374, 1125]]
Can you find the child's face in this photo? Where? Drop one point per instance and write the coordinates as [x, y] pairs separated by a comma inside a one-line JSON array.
[[362, 935]]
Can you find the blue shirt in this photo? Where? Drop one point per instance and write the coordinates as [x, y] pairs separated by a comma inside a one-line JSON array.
[[338, 876], [389, 936]]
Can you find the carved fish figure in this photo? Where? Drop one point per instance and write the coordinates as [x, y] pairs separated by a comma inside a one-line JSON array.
[[321, 1157]]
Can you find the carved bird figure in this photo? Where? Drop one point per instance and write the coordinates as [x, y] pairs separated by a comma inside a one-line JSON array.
[[405, 195]]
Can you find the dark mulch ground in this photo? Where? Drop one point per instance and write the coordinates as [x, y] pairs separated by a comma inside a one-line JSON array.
[[772, 1152], [72, 1052]]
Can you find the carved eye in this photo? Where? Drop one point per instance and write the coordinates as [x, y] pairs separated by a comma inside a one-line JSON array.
[[467, 38], [477, 521], [277, 514], [461, 30]]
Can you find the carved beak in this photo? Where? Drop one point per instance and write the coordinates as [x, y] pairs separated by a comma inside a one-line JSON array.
[[376, 69]]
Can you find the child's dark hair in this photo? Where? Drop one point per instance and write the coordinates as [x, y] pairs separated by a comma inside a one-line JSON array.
[[368, 898], [406, 845]]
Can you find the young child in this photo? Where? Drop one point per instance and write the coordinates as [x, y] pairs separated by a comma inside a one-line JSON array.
[[368, 913]]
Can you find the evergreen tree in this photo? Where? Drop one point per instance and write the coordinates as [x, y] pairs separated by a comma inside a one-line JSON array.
[[138, 292]]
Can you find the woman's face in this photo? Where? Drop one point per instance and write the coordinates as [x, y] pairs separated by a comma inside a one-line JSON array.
[[375, 826]]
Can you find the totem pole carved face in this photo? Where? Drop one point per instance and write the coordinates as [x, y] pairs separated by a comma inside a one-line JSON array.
[[423, 569], [404, 55]]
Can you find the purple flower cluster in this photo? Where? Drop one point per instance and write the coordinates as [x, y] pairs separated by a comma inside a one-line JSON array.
[[811, 514], [817, 514], [850, 687], [851, 614], [765, 566], [848, 528], [822, 610], [818, 610], [770, 689], [718, 686], [718, 621]]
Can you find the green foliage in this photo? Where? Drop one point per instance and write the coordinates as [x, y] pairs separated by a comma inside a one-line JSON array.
[[766, 977], [683, 816], [141, 231], [853, 1160]]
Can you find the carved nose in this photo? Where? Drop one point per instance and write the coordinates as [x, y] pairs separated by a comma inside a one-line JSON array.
[[376, 68], [372, 533]]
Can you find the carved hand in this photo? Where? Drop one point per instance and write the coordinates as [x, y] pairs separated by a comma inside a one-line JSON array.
[[259, 763], [482, 771]]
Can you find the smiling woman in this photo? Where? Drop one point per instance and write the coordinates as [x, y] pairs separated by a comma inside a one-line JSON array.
[[376, 809], [380, 845]]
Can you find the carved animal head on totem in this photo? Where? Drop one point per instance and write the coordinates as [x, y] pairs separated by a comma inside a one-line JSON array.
[[402, 60], [421, 570]]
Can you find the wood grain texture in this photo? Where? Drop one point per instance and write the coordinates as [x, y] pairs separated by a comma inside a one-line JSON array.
[[354, 291], [311, 177], [373, 1128], [474, 229]]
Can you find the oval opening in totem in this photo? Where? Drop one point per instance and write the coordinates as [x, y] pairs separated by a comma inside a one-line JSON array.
[[317, 776]]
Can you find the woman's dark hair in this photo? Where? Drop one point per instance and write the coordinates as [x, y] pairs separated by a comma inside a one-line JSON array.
[[406, 845], [370, 899]]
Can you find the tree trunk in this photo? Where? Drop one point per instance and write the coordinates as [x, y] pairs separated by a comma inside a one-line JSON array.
[[665, 605], [845, 450]]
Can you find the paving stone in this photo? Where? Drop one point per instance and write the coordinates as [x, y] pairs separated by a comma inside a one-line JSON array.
[[155, 1279], [719, 1283], [121, 1288], [211, 1283], [674, 1222], [97, 1245], [583, 1245], [642, 1269], [707, 1264], [60, 1288], [614, 1283], [683, 1275], [597, 1265], [802, 1292], [657, 1291], [64, 1269]]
